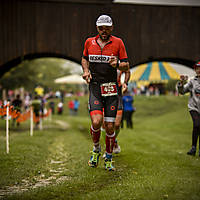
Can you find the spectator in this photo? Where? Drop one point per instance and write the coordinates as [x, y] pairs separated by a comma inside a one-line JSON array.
[[71, 107], [36, 104], [128, 110], [58, 94], [27, 100], [52, 106], [17, 104], [193, 87], [39, 91], [42, 106], [60, 108], [76, 106]]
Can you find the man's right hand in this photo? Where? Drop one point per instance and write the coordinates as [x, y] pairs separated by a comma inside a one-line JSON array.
[[87, 76]]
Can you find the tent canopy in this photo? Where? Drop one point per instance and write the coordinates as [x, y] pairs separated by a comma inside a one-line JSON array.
[[71, 79], [158, 72]]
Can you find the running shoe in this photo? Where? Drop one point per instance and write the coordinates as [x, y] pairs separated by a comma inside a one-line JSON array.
[[192, 151], [116, 148], [108, 165], [94, 159]]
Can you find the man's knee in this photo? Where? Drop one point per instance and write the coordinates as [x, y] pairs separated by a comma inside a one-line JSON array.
[[109, 128], [118, 122], [96, 123]]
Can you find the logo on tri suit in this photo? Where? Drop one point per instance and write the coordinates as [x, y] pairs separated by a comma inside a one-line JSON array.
[[96, 102], [112, 108], [99, 58]]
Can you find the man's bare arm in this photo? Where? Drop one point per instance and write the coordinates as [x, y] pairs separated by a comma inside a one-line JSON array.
[[86, 72], [114, 62], [127, 76], [123, 66], [126, 80]]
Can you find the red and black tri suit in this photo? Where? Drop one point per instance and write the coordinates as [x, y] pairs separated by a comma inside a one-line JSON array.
[[102, 73]]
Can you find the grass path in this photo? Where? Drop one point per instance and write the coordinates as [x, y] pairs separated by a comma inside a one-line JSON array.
[[55, 166], [152, 165]]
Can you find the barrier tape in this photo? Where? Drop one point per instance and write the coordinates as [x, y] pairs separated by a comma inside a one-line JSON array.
[[21, 117]]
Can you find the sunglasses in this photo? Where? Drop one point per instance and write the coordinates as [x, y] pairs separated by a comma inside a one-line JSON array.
[[106, 28]]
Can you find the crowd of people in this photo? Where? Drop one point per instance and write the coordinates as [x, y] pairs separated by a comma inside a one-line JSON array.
[[21, 101]]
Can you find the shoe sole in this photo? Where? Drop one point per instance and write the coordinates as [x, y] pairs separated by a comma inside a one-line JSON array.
[[92, 165], [191, 154], [110, 169], [117, 152]]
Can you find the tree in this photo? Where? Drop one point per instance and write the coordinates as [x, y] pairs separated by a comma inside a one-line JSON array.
[[28, 74]]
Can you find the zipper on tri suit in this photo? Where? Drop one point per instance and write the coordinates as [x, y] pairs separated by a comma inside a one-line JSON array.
[[102, 48]]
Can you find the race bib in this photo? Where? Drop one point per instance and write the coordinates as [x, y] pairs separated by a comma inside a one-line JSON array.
[[108, 89]]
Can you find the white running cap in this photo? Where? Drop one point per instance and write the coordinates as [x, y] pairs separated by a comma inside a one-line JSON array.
[[104, 20]]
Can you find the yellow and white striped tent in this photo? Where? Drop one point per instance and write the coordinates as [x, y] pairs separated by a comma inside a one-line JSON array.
[[158, 72]]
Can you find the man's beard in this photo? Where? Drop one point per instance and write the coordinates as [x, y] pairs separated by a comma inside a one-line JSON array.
[[105, 39]]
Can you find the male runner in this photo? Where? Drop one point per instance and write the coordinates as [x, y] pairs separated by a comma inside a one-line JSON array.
[[102, 56], [123, 87]]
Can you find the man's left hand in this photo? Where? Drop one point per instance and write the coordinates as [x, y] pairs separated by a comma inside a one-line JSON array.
[[113, 61], [124, 88]]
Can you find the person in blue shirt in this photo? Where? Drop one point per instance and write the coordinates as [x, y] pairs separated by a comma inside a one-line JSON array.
[[76, 106], [128, 109]]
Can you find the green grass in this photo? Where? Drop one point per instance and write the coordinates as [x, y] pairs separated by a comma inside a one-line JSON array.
[[152, 165]]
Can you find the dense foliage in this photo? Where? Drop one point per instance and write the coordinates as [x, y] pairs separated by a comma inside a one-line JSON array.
[[41, 71]]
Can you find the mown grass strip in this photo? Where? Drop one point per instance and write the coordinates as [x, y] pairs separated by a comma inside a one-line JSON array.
[[152, 165]]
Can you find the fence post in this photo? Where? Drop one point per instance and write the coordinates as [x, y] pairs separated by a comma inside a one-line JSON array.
[[31, 121], [7, 128]]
